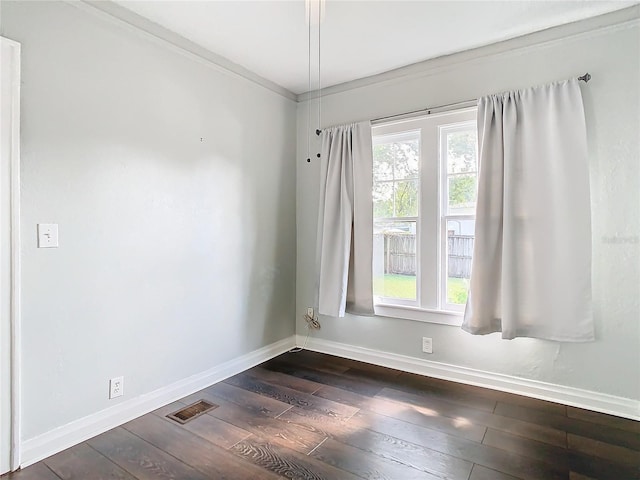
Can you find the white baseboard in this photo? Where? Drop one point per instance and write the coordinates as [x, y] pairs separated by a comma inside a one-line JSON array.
[[575, 397], [54, 441]]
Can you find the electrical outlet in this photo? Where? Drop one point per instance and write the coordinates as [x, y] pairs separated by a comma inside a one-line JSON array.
[[310, 312], [116, 387], [427, 345]]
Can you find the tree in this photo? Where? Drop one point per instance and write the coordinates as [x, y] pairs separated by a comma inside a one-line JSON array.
[[461, 151], [395, 172]]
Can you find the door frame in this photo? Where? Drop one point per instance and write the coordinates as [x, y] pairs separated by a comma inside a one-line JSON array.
[[14, 320]]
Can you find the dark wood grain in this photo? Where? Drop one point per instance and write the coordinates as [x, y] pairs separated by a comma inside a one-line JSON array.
[[319, 361], [81, 462], [364, 464], [604, 450], [258, 404], [564, 458], [140, 458], [482, 473], [39, 471], [472, 418], [604, 419], [312, 416], [283, 380], [287, 463], [277, 431], [210, 459], [210, 428], [456, 394], [364, 387], [292, 397], [474, 452], [614, 436]]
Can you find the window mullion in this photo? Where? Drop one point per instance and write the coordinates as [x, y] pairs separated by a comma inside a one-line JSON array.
[[428, 228]]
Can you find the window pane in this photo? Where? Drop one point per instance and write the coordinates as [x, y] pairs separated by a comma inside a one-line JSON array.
[[394, 260], [396, 160], [406, 198], [462, 192], [460, 237], [462, 151], [383, 200], [406, 159], [383, 160]]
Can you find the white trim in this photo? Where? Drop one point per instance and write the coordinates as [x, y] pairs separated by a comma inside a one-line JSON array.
[[586, 28], [16, 359], [575, 397], [54, 441], [14, 320], [417, 314]]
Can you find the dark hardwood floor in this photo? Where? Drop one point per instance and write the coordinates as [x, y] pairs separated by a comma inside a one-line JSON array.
[[312, 416]]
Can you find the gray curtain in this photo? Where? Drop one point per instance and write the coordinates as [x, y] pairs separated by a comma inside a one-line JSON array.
[[531, 271], [345, 221]]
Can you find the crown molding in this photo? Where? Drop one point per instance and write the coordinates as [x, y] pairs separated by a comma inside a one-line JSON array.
[[620, 19], [112, 11]]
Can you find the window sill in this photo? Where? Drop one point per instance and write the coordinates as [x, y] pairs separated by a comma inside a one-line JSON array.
[[443, 317]]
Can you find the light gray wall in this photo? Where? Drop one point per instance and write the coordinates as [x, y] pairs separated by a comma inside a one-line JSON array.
[[175, 254], [611, 364]]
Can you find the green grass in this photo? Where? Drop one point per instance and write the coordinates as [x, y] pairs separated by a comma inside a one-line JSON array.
[[404, 286]]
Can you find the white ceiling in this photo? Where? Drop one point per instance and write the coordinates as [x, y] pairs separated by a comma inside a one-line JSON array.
[[358, 38]]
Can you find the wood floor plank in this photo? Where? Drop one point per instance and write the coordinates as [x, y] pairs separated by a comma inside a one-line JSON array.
[[209, 459], [313, 416], [140, 458], [170, 408], [490, 394], [211, 428], [343, 396], [287, 463], [292, 397], [38, 471], [283, 380], [419, 414], [483, 473], [578, 476], [604, 450], [364, 387], [604, 419], [81, 462], [409, 454], [562, 457], [319, 361], [364, 464], [259, 404], [487, 456], [382, 445], [583, 428], [277, 431], [430, 418], [455, 394], [478, 419]]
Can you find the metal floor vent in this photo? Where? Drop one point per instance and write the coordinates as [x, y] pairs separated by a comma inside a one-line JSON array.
[[192, 411]]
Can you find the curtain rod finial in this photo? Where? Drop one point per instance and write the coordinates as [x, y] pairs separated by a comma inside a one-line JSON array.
[[585, 78], [318, 132]]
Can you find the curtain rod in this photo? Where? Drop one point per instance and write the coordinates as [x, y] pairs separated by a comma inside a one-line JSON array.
[[449, 106]]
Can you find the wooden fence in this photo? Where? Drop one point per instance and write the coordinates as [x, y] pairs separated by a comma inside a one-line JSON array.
[[400, 256]]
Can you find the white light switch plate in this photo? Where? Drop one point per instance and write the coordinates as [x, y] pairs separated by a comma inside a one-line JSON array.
[[47, 235]]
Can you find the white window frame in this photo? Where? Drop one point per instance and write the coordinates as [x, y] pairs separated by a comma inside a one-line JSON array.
[[431, 233], [445, 216]]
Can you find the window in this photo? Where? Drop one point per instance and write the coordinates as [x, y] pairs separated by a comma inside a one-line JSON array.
[[424, 195]]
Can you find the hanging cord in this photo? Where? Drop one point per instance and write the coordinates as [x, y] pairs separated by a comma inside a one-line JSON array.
[[312, 324], [309, 86], [319, 63]]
